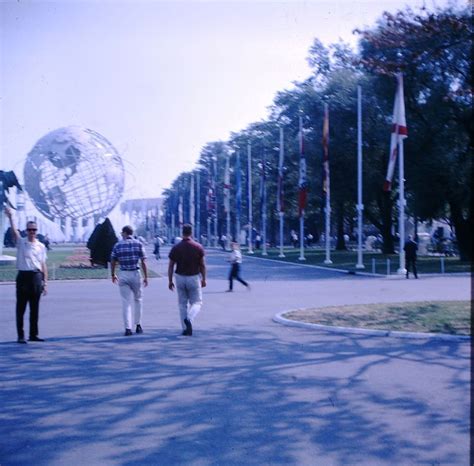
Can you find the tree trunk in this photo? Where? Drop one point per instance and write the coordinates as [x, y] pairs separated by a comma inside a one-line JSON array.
[[462, 229]]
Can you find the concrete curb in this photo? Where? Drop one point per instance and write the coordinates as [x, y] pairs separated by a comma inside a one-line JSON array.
[[363, 331]]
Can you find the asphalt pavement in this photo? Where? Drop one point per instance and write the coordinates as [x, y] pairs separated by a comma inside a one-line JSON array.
[[243, 389]]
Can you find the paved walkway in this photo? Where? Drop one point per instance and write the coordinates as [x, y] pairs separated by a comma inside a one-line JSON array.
[[243, 389]]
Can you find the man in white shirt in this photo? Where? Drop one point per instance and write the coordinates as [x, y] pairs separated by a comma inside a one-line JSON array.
[[32, 277]]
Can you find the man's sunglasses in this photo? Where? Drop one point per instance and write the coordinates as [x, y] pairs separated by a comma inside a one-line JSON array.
[[32, 229]]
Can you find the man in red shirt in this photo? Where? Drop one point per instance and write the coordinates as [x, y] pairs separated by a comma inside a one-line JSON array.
[[190, 276]]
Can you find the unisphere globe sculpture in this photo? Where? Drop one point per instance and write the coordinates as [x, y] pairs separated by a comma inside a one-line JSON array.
[[74, 172]]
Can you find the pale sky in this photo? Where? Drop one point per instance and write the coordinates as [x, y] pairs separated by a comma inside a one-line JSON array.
[[158, 79]]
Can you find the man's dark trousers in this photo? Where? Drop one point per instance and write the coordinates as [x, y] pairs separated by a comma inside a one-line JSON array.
[[411, 264], [235, 273], [29, 286]]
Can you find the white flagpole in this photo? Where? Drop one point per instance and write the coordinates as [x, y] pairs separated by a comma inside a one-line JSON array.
[[360, 205], [238, 196], [401, 202], [328, 202], [400, 112], [328, 228], [216, 210], [301, 258], [264, 207], [180, 213], [249, 172], [280, 175], [192, 205], [227, 201], [198, 207]]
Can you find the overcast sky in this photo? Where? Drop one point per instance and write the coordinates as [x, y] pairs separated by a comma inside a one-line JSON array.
[[158, 79]]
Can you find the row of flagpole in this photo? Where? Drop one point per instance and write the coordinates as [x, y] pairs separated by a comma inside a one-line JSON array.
[[399, 133]]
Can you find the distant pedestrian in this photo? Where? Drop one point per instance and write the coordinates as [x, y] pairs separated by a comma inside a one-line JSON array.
[[223, 242], [156, 247], [190, 276], [258, 241], [31, 279], [410, 249], [294, 239], [127, 253], [235, 260]]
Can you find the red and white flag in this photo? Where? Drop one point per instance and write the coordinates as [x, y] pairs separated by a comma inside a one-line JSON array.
[[302, 183], [399, 131]]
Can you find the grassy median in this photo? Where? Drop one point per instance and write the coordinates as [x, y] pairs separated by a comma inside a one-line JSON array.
[[448, 317], [373, 261]]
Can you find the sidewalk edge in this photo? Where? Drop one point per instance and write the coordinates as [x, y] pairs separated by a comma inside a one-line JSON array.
[[363, 331]]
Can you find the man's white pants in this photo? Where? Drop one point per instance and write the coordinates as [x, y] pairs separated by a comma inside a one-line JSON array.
[[189, 297], [130, 286]]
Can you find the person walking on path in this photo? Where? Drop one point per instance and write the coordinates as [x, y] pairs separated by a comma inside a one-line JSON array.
[[235, 260], [156, 247], [190, 276], [410, 249], [127, 253], [31, 279]]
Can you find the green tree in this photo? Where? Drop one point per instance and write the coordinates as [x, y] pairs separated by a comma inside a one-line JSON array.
[[432, 49]]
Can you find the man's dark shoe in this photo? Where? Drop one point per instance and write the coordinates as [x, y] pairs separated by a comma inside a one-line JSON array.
[[128, 332], [139, 329], [185, 332], [35, 339], [21, 340], [189, 327]]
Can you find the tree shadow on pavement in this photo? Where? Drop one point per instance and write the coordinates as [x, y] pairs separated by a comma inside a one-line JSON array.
[[231, 396]]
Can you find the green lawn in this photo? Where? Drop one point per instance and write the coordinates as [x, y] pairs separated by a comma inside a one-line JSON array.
[[449, 317], [64, 263], [347, 260]]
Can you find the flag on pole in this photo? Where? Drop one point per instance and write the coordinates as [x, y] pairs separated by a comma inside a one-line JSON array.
[[399, 131], [238, 186], [280, 193], [326, 150], [227, 187], [192, 204], [211, 195], [263, 192], [180, 211], [302, 184]]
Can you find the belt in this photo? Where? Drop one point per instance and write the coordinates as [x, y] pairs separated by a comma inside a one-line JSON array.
[[29, 271], [129, 270]]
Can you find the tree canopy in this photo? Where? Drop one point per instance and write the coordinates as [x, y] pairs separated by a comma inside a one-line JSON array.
[[432, 49]]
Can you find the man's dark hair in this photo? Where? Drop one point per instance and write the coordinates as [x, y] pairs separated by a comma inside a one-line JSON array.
[[128, 230], [187, 229]]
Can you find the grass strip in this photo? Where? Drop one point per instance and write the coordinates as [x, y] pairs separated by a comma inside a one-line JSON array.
[[64, 263], [448, 317], [373, 261]]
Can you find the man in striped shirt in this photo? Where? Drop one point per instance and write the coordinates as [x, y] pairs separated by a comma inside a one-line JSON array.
[[127, 253]]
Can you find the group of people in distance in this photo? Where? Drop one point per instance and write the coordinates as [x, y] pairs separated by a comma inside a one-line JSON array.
[[186, 274]]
